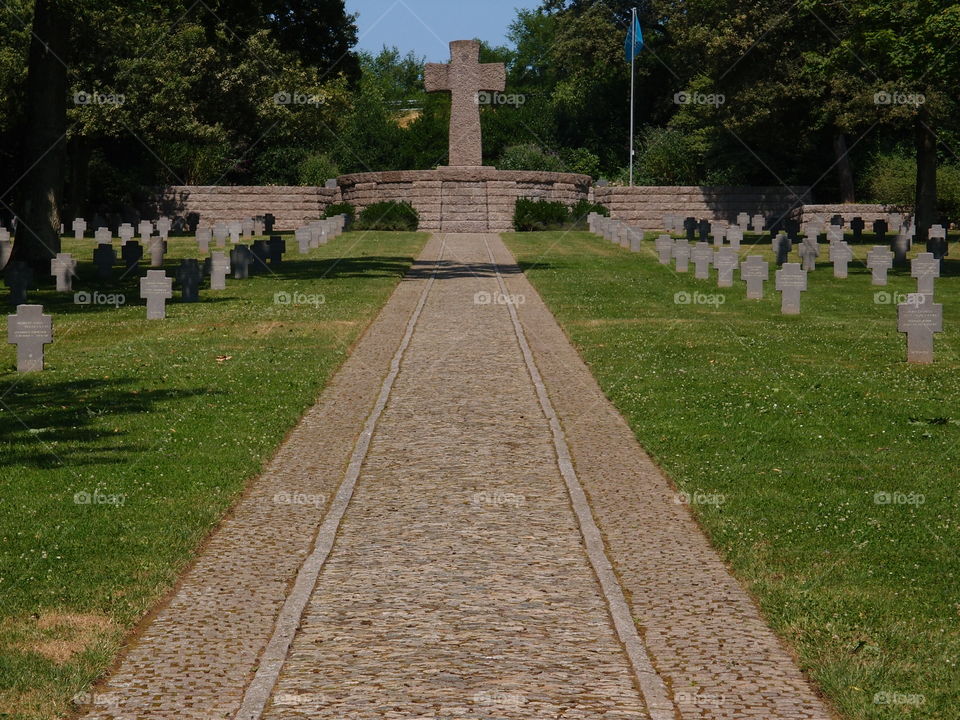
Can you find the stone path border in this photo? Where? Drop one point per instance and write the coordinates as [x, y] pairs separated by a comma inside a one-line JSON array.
[[271, 663], [705, 633], [651, 685], [193, 657]]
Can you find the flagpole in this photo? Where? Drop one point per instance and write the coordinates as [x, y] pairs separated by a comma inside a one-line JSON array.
[[633, 60]]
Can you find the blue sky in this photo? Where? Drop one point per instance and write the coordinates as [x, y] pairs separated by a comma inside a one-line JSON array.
[[428, 26]]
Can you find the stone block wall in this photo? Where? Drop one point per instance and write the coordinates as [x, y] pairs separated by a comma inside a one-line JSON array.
[[290, 205], [645, 206], [869, 213], [480, 199]]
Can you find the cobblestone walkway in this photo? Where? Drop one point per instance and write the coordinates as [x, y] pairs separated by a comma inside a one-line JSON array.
[[454, 570]]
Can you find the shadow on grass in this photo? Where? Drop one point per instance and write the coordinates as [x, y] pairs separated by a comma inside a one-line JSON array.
[[45, 425], [292, 269]]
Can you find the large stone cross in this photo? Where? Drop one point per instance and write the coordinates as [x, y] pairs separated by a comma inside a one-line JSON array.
[[465, 78]]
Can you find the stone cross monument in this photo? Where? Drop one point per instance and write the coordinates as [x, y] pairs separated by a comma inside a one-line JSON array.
[[465, 78]]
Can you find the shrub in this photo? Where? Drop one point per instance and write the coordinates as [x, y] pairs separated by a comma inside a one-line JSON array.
[[389, 216], [667, 157], [343, 208], [529, 157], [316, 169], [892, 178], [581, 160], [580, 211], [540, 215]]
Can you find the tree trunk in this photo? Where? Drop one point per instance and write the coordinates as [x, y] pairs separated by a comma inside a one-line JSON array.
[[844, 169], [78, 189], [925, 211], [44, 142]]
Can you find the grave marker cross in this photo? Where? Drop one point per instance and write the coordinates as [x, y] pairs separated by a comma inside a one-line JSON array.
[[465, 78]]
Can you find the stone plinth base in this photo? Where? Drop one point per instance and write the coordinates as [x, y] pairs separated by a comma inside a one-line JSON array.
[[463, 199]]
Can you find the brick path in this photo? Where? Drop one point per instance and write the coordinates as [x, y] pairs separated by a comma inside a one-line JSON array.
[[454, 569]]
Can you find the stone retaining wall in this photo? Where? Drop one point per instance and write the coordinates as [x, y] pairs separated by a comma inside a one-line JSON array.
[[645, 206], [483, 199], [477, 199], [869, 213], [290, 205]]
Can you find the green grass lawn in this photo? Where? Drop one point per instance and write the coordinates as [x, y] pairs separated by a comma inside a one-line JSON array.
[[805, 425], [168, 419]]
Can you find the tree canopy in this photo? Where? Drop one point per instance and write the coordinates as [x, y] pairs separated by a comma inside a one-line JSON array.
[[125, 97]]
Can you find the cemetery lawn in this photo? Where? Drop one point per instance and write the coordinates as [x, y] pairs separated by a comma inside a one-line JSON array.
[[837, 461], [168, 417]]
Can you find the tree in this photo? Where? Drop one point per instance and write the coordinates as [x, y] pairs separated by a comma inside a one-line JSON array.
[[44, 143]]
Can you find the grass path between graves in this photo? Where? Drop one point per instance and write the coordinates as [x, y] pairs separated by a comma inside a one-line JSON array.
[[836, 463], [164, 421]]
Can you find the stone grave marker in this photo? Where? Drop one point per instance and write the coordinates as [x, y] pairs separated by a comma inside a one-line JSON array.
[[156, 288], [759, 223], [681, 253], [189, 277], [755, 271], [164, 225], [743, 222], [29, 330], [64, 268], [219, 269], [704, 228], [726, 261], [879, 260], [782, 247], [857, 225], [6, 250], [809, 252], [220, 232], [104, 257], [235, 229], [125, 232], [900, 245], [791, 281], [840, 255], [79, 228], [145, 229], [690, 227], [664, 247], [18, 276], [260, 252], [735, 236], [278, 246], [925, 267], [937, 241], [132, 253], [880, 231], [702, 256], [247, 228], [269, 221], [920, 322], [302, 236], [636, 240], [157, 247], [204, 236], [792, 228], [720, 230], [240, 260], [103, 236], [834, 234]]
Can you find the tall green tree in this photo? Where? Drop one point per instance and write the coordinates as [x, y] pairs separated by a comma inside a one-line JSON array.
[[40, 188]]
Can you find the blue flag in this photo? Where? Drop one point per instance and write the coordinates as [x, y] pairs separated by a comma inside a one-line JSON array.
[[634, 42]]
